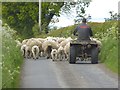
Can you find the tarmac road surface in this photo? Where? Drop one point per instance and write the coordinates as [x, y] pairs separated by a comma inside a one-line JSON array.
[[44, 73]]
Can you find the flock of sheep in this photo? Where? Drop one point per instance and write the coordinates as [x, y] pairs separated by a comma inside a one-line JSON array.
[[55, 48]]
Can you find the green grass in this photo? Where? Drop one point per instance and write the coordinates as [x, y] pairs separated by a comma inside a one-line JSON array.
[[11, 62], [0, 59], [109, 54], [68, 31]]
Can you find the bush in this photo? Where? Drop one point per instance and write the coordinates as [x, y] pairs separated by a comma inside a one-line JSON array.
[[109, 51], [11, 60]]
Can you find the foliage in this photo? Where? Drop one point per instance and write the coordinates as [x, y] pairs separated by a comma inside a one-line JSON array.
[[96, 28], [81, 10], [36, 29], [109, 51], [11, 60], [101, 27], [113, 16], [50, 9], [21, 16], [62, 32], [0, 10], [0, 58]]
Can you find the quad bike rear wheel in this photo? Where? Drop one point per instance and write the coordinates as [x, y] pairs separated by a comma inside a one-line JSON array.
[[72, 55], [94, 56]]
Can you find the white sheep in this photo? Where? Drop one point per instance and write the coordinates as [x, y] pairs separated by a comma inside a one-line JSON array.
[[35, 52], [47, 46], [24, 41], [40, 39], [59, 40], [39, 44], [63, 43], [61, 53], [67, 50], [30, 43], [54, 54], [28, 52], [98, 42], [23, 47]]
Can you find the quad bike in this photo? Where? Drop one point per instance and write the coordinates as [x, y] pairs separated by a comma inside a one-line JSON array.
[[83, 50]]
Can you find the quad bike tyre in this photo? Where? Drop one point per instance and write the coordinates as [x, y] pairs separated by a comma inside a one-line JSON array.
[[72, 59], [94, 56]]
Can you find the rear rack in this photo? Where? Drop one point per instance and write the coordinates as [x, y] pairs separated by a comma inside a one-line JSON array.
[[82, 42]]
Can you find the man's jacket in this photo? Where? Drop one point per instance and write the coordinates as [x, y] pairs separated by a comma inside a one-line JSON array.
[[83, 31]]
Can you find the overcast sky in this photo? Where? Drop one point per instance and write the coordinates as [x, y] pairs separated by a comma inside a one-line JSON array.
[[98, 9]]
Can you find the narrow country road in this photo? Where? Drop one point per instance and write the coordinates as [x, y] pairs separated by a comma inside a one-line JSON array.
[[44, 73]]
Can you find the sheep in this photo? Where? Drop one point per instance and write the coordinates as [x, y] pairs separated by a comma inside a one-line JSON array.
[[35, 52], [39, 44], [28, 52], [54, 54], [24, 41], [61, 53], [23, 47], [67, 50], [47, 46], [40, 39], [98, 42], [30, 43], [59, 40], [48, 38], [63, 43]]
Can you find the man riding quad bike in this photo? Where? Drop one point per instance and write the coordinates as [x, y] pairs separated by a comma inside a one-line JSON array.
[[83, 48]]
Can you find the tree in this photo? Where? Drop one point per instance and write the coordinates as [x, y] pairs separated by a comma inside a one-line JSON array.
[[113, 16], [49, 9], [81, 11], [21, 16]]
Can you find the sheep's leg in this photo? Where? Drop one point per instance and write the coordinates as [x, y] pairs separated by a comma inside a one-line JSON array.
[[56, 57], [53, 57], [66, 56], [25, 54], [63, 56], [29, 54], [37, 55], [43, 53], [47, 56], [60, 57], [33, 55]]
